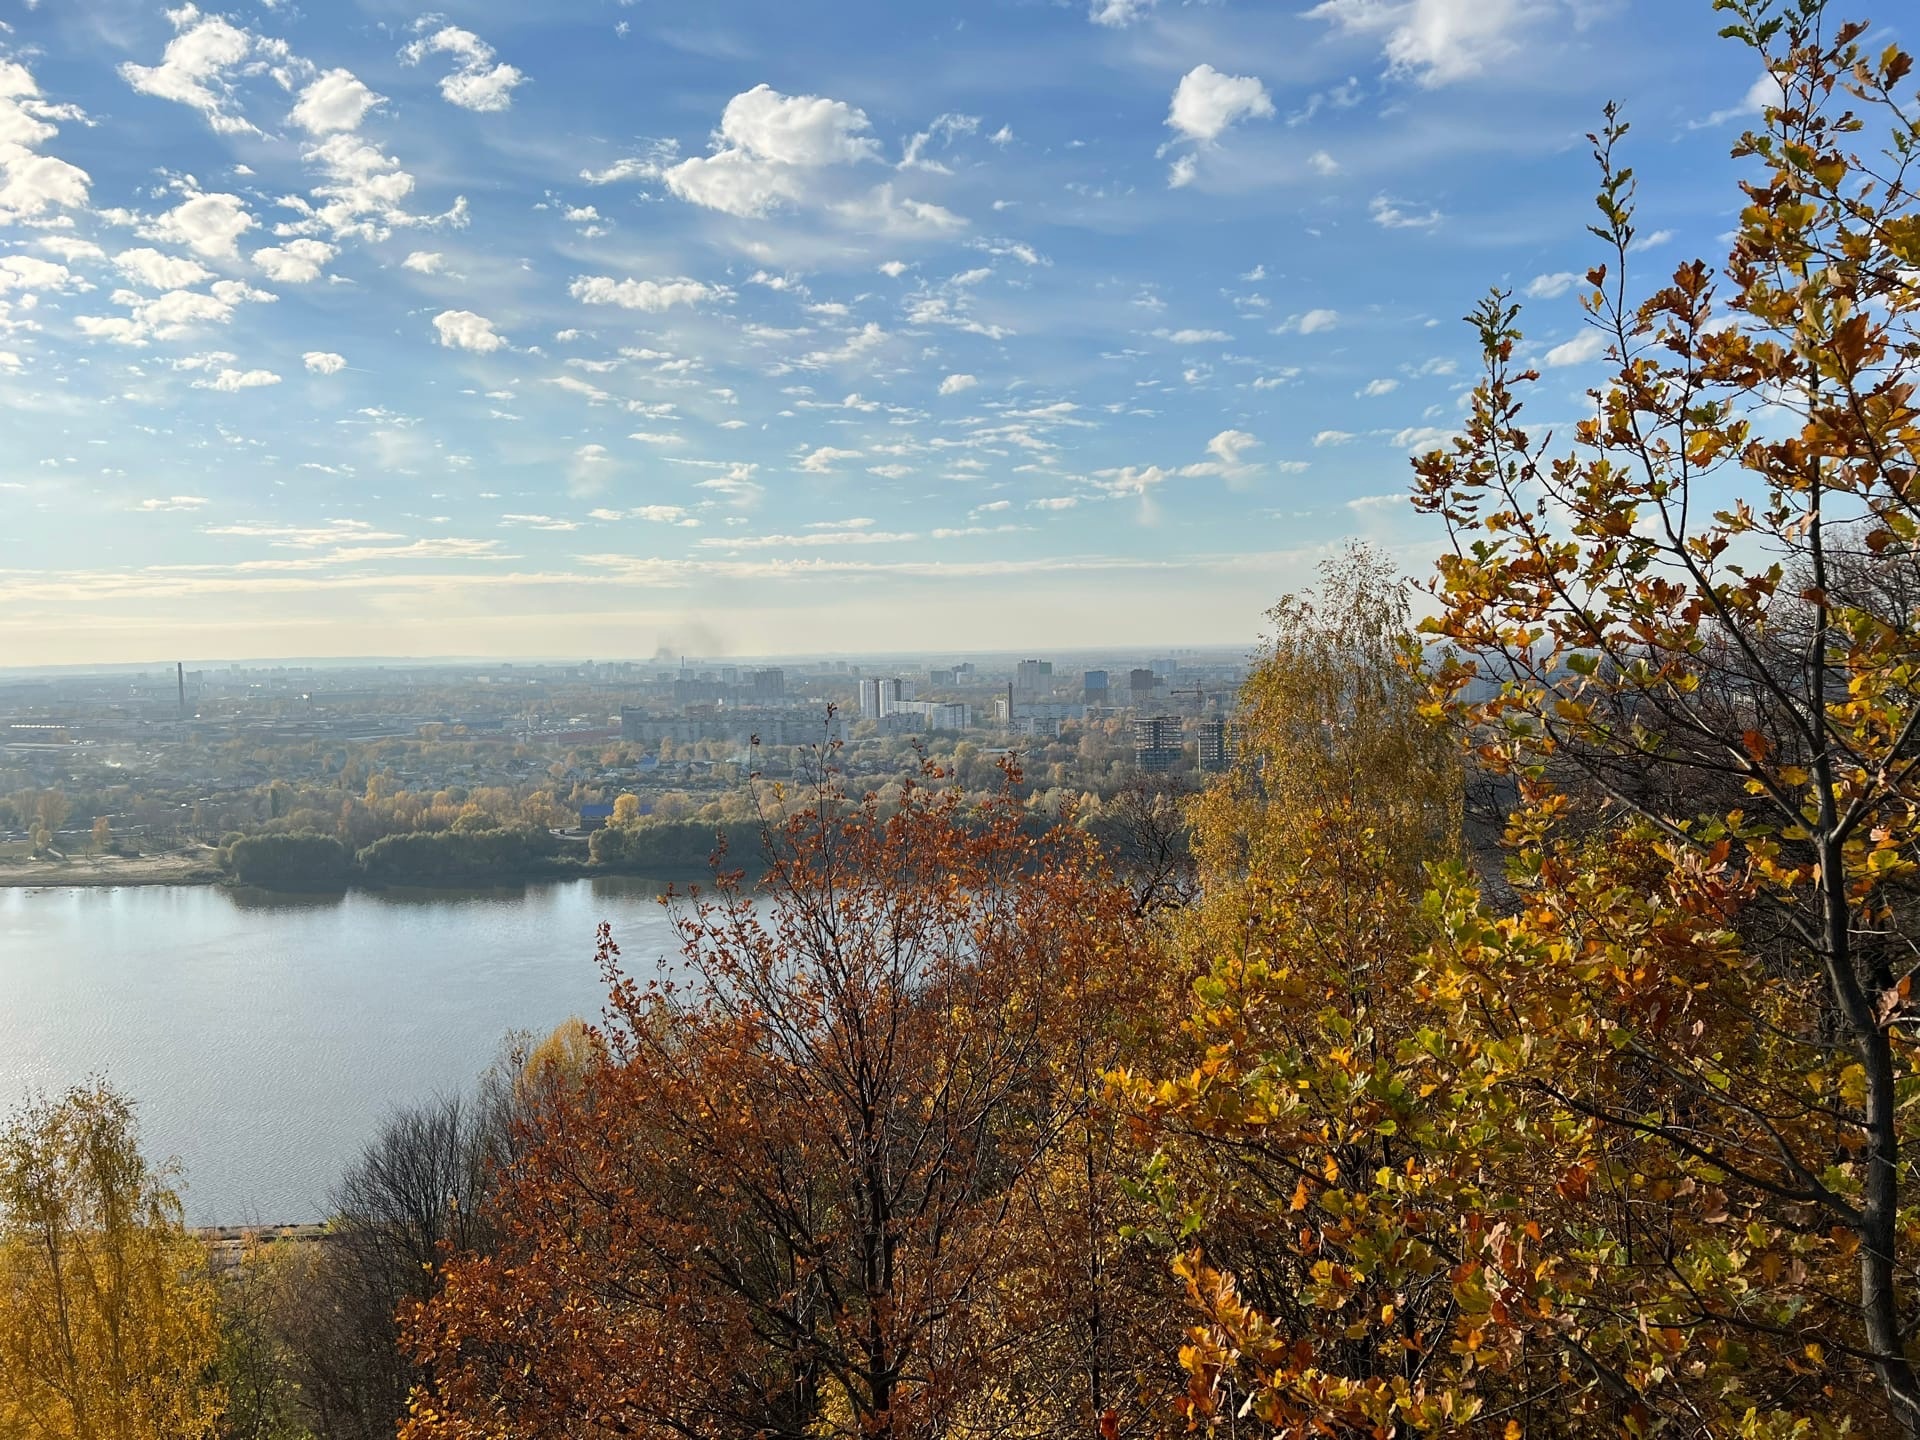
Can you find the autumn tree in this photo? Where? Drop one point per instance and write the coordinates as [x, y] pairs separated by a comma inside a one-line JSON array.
[[792, 1194], [107, 1326], [1700, 1018], [1302, 1162]]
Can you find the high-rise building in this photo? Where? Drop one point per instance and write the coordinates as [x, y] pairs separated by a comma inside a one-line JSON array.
[[878, 697], [1094, 687], [769, 685], [1157, 742], [1033, 676], [1140, 687], [1216, 745]]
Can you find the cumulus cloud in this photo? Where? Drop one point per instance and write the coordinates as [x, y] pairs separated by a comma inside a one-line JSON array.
[[31, 183], [1333, 437], [822, 460], [954, 384], [193, 70], [776, 150], [424, 262], [1311, 322], [168, 315], [324, 362], [464, 330], [209, 224], [652, 296], [1587, 345], [156, 271], [230, 380], [296, 262], [337, 100], [1118, 14], [479, 83], [362, 193], [1193, 337], [1436, 42], [1550, 287], [1207, 103], [1373, 389], [28, 272]]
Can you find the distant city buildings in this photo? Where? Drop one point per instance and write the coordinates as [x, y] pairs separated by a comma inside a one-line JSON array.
[[1157, 743], [773, 727], [1216, 743], [1093, 686], [1033, 676], [1140, 687]]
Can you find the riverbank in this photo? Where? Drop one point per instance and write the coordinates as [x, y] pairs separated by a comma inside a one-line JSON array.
[[199, 866]]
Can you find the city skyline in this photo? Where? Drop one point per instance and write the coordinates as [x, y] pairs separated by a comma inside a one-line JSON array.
[[771, 329]]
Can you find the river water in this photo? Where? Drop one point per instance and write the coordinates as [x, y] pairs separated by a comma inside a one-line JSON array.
[[265, 1037]]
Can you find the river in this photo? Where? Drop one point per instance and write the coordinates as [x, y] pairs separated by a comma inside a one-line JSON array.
[[265, 1037]]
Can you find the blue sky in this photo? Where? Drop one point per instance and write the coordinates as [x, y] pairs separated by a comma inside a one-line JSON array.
[[587, 327]]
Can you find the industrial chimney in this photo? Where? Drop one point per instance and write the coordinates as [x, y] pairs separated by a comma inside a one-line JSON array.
[[180, 675]]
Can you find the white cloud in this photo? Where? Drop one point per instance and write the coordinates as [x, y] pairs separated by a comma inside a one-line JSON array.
[[464, 330], [954, 384], [193, 68], [335, 101], [424, 262], [1587, 345], [893, 269], [478, 83], [776, 150], [168, 315], [210, 225], [1373, 389], [1321, 163], [1193, 337], [652, 296], [1436, 41], [28, 272], [1332, 437], [1390, 214], [32, 183], [1230, 446], [822, 460], [1118, 14], [174, 502], [296, 262], [362, 193], [231, 380], [1207, 103], [945, 128], [1550, 287], [160, 272], [324, 362], [803, 130], [879, 210], [1180, 174], [1310, 323]]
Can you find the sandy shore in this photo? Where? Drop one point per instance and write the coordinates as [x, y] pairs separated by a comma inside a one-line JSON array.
[[191, 867]]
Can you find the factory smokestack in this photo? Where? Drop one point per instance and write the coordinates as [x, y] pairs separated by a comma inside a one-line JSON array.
[[180, 676]]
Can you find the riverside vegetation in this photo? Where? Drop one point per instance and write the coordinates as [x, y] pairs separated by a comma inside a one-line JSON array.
[[1375, 1126]]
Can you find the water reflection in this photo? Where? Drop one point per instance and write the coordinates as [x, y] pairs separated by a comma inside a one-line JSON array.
[[265, 1035]]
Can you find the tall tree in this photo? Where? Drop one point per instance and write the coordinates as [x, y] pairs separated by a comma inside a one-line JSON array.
[[1671, 636], [789, 1195], [1297, 1148], [107, 1325]]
